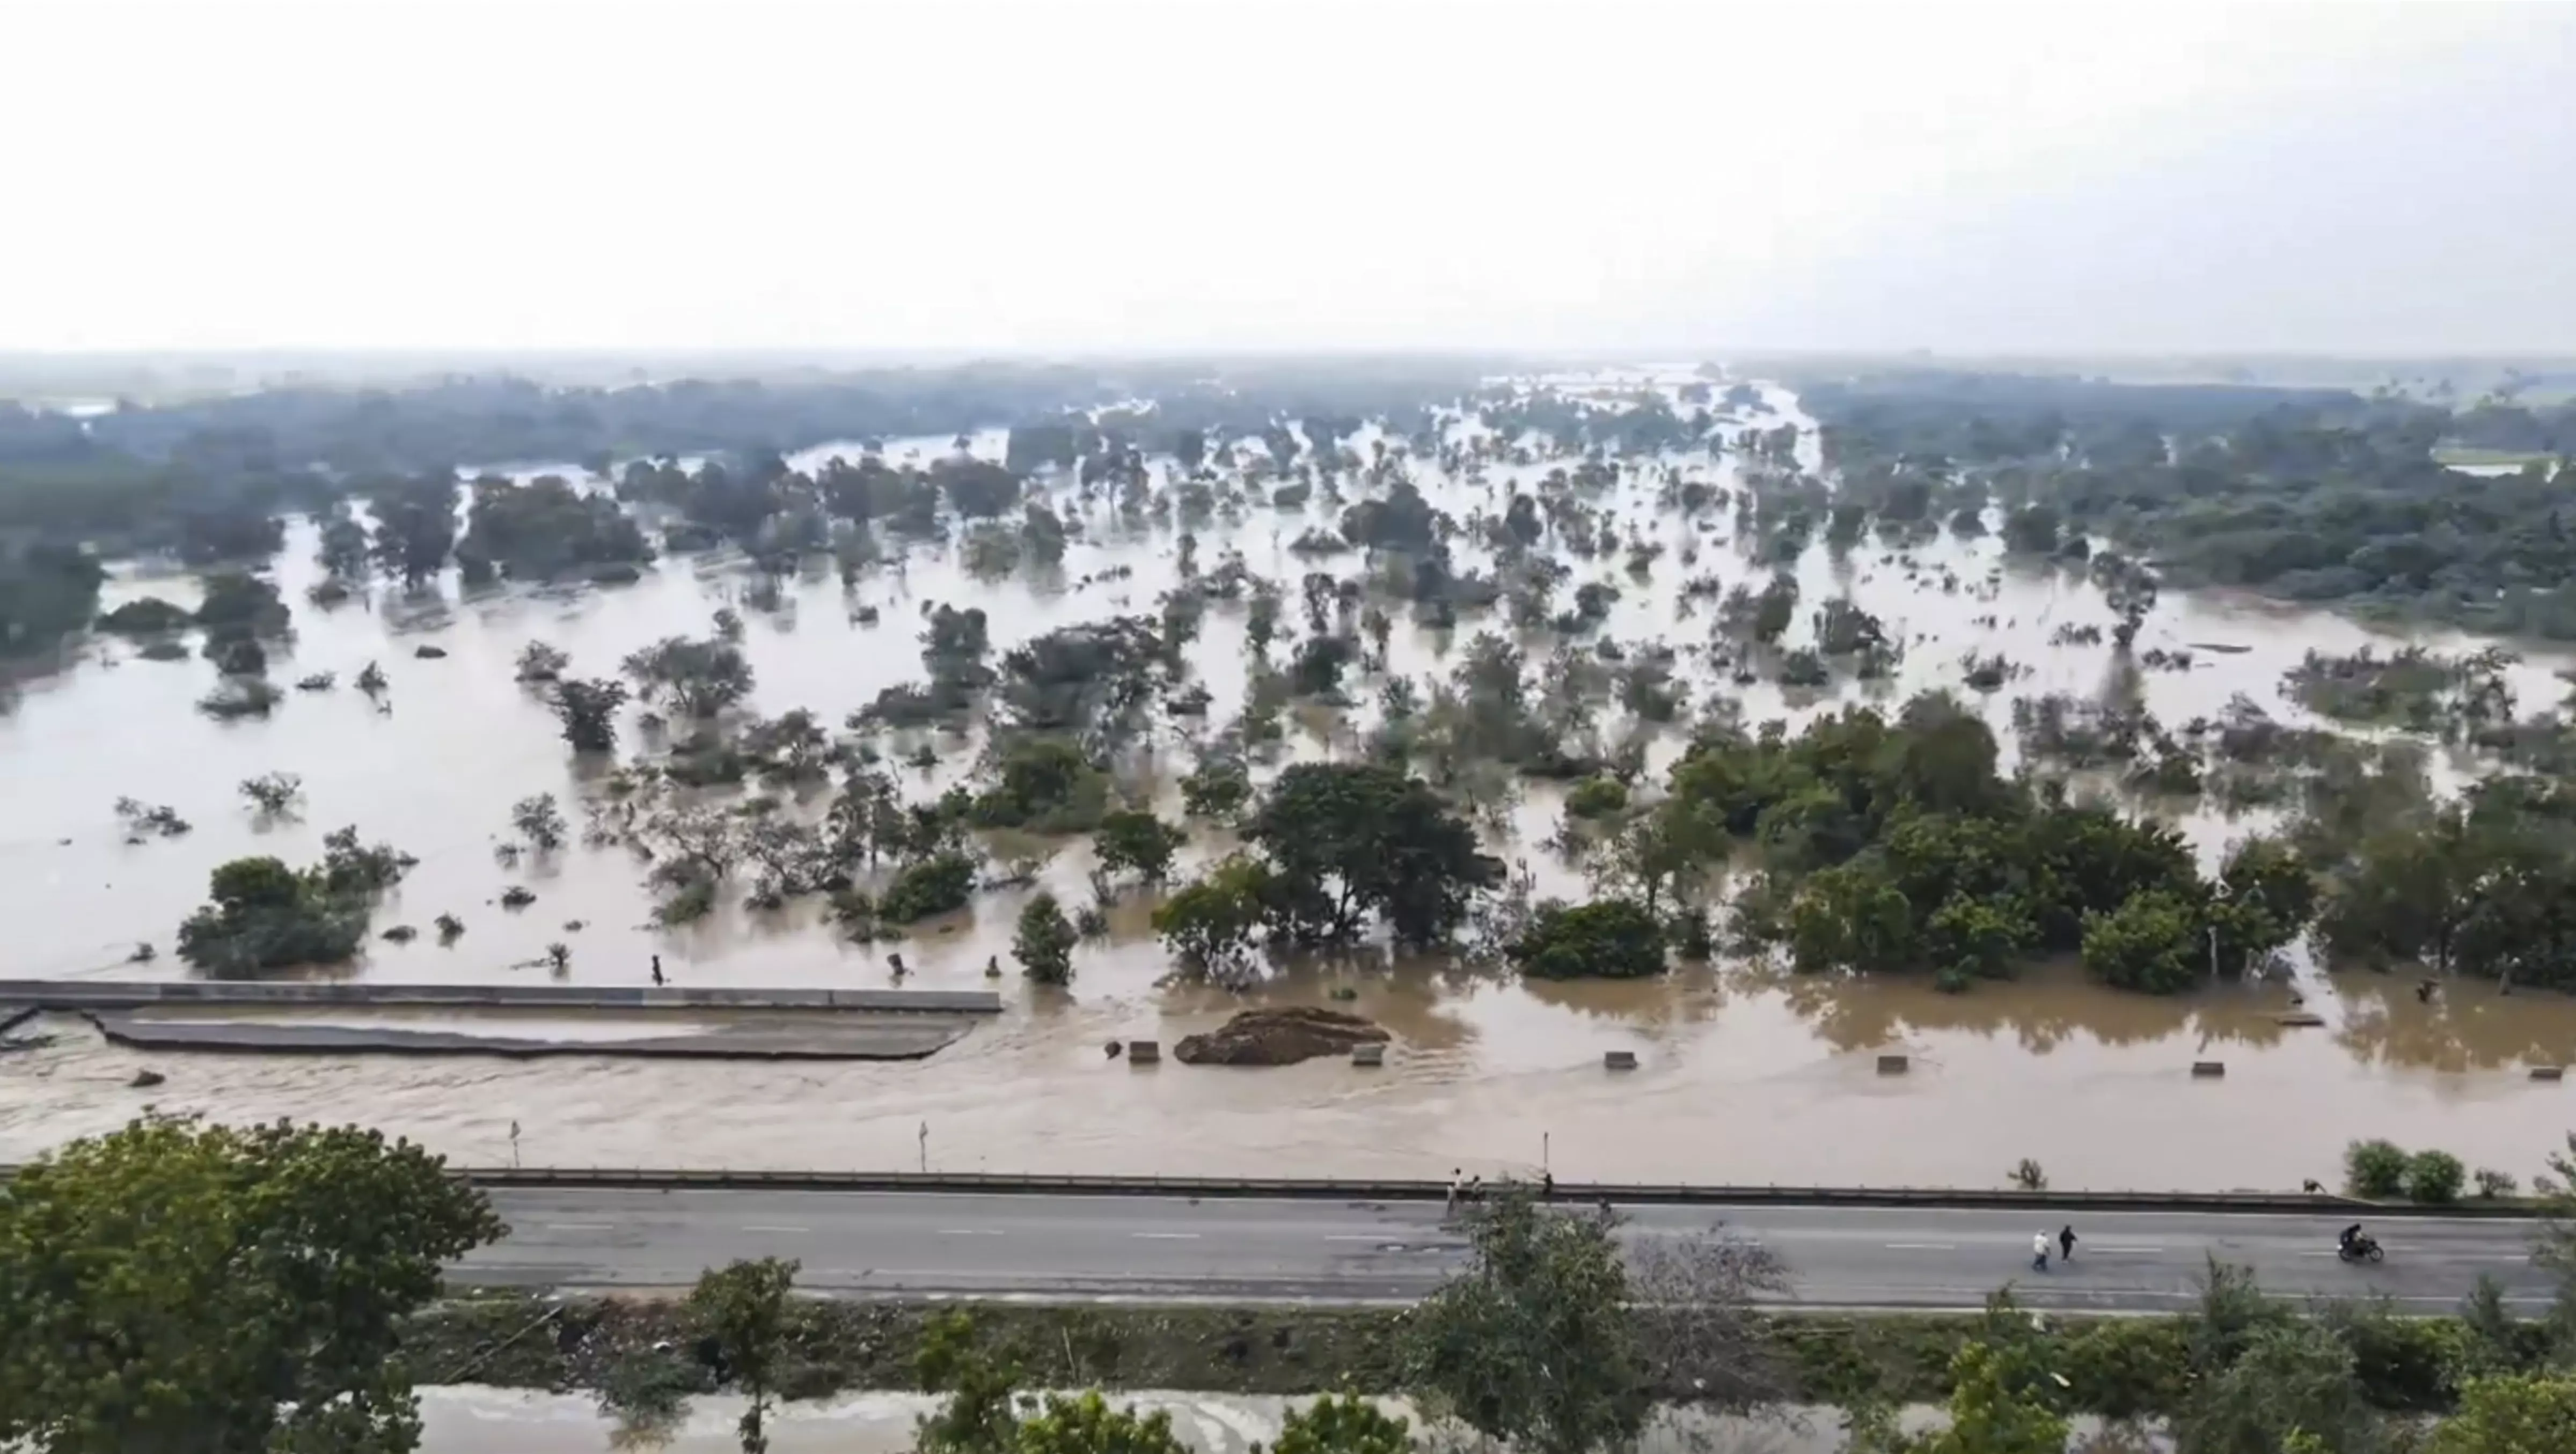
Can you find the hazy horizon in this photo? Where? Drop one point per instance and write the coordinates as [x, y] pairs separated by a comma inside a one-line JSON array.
[[897, 180]]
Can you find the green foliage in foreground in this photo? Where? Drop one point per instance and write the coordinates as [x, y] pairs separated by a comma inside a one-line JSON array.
[[179, 1287]]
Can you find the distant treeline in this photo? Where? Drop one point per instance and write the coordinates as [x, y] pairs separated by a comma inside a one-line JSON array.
[[205, 480], [2307, 494]]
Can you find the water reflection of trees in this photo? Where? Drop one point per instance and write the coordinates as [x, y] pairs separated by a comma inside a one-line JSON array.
[[2465, 1027], [2041, 1012]]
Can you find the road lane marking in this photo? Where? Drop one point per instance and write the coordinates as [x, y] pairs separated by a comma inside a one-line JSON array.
[[778, 1229], [1168, 1236], [1922, 1247], [2128, 1249], [576, 1226], [966, 1232]]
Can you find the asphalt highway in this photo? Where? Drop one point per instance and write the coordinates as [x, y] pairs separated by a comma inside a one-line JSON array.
[[1071, 1248]]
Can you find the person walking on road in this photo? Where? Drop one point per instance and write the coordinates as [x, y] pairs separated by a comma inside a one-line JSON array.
[[2066, 1243], [2039, 1253], [657, 969], [1457, 1179]]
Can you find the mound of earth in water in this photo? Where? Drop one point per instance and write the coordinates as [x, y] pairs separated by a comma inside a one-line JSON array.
[[1281, 1036]]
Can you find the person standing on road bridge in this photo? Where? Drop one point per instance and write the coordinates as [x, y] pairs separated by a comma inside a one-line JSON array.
[[657, 969], [2066, 1243], [2039, 1253]]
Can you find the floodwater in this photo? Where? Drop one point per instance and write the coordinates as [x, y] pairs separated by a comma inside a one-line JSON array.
[[1746, 1075], [459, 1420]]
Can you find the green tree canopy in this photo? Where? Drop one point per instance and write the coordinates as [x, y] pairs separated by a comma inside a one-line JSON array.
[[1608, 938], [1535, 1342], [232, 1290], [741, 1309], [2528, 1413], [1345, 840]]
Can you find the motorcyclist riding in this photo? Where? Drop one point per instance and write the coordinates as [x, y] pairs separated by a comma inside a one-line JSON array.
[[2352, 1246], [2351, 1235]]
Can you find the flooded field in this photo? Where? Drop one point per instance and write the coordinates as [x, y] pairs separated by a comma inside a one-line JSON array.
[[1747, 1074], [459, 1420]]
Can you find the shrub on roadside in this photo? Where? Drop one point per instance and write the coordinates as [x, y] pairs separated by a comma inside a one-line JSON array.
[[2375, 1169]]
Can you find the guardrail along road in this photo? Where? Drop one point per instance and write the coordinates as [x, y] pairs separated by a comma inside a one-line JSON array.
[[924, 1244]]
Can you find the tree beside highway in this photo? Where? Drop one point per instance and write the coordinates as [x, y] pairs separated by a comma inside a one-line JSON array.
[[172, 1286], [1556, 1340]]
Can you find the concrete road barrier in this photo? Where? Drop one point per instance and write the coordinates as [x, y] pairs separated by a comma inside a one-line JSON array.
[[48, 994]]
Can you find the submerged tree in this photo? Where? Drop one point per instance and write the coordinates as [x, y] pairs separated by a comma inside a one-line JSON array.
[[694, 678], [588, 711], [1347, 840], [1044, 940]]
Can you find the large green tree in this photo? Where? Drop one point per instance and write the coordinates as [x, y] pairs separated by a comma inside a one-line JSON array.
[[1347, 840], [229, 1290], [1535, 1342], [1556, 1341]]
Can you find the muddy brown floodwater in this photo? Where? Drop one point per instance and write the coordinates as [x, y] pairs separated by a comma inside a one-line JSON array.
[[1745, 1075], [493, 1421]]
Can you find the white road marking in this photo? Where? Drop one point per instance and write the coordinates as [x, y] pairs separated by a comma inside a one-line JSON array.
[[1922, 1247], [577, 1226], [1168, 1236], [2128, 1249], [778, 1229], [966, 1232], [1341, 1237]]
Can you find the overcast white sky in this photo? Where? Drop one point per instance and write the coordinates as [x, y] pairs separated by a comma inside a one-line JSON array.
[[1079, 174]]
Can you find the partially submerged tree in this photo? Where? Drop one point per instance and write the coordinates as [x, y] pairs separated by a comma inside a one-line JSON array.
[[273, 792], [1348, 840], [1609, 938], [1135, 841], [693, 678], [263, 915], [538, 820], [539, 662], [587, 709], [1044, 940]]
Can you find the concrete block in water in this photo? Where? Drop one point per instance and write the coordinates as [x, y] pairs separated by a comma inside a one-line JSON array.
[[2201, 1068], [1371, 1054], [1619, 1060], [1144, 1052], [2548, 1072], [1892, 1064]]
